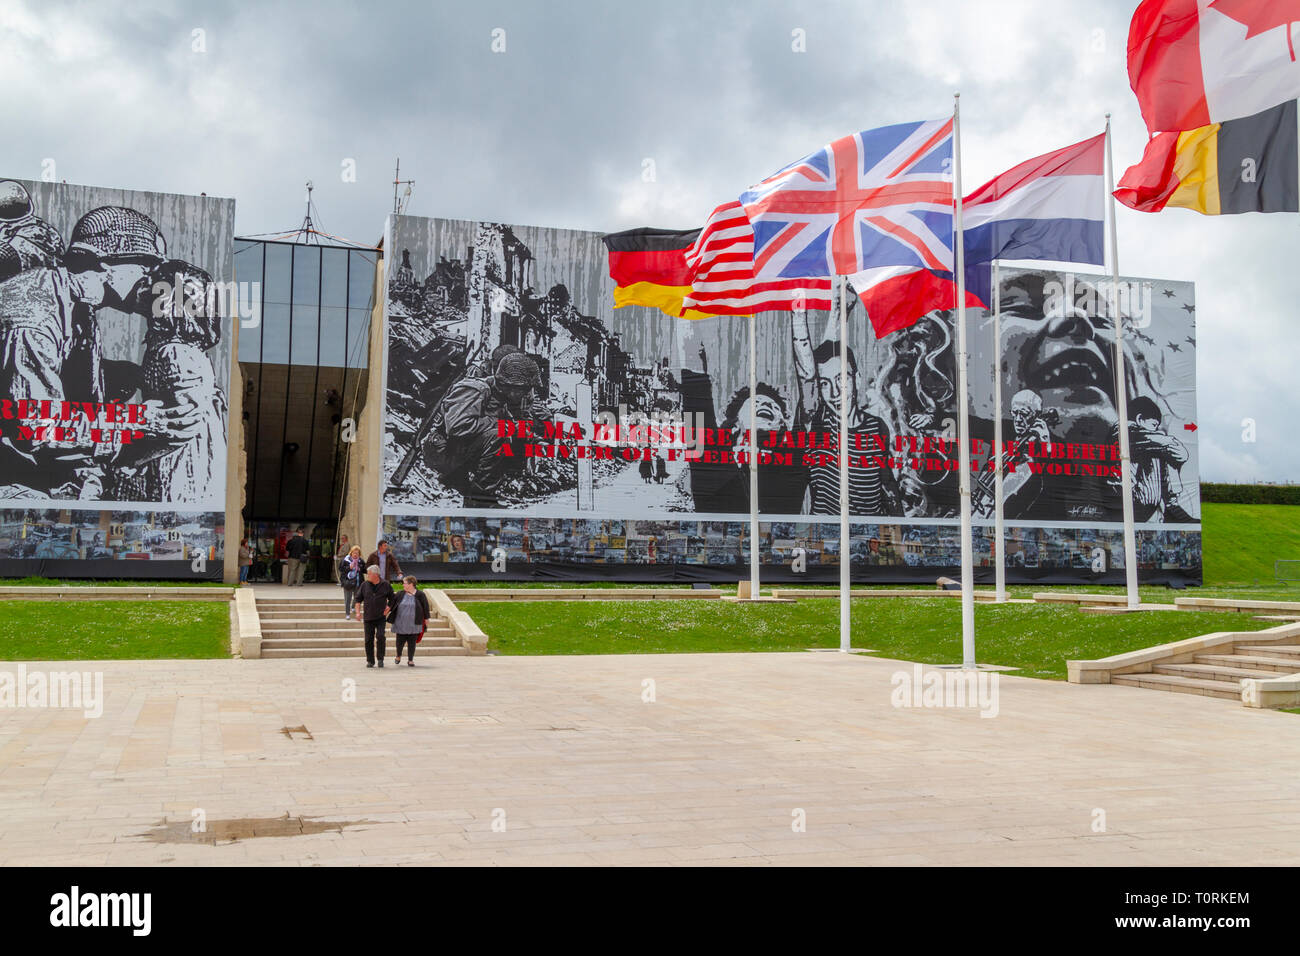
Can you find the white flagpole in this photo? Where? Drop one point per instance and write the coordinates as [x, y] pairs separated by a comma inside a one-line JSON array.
[[753, 462], [1121, 391], [999, 536], [845, 544], [963, 408]]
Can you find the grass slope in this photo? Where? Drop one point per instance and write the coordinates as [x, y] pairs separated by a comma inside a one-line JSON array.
[[1036, 638], [1241, 542], [113, 630]]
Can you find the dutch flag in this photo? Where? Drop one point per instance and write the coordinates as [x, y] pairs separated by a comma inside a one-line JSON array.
[[1050, 207]]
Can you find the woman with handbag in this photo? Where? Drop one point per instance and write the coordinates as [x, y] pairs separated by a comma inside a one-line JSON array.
[[351, 574], [410, 612]]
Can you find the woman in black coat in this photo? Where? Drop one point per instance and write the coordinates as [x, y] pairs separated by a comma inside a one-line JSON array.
[[351, 573], [408, 612]]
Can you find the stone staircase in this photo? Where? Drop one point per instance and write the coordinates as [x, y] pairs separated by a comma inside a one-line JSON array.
[[1258, 668], [311, 627], [1219, 674]]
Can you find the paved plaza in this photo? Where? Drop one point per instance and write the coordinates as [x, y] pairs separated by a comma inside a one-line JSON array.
[[565, 760]]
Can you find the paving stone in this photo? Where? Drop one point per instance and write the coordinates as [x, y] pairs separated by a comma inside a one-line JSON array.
[[418, 768]]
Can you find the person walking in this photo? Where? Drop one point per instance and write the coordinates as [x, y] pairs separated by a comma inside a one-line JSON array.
[[341, 552], [297, 550], [351, 573], [245, 560], [409, 614], [373, 602], [384, 559]]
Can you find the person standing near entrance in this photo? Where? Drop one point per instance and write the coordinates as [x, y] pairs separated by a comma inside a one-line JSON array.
[[373, 602], [245, 560], [384, 559], [341, 552], [297, 550], [410, 611], [351, 573]]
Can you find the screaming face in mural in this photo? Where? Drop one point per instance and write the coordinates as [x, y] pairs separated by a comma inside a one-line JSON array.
[[51, 348], [1057, 349], [1059, 342], [463, 445]]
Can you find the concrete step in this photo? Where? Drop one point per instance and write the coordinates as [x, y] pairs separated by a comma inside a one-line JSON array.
[[1220, 672], [299, 602], [309, 624], [341, 634], [334, 610], [1268, 650], [436, 641], [357, 653], [1180, 685], [328, 624], [1280, 665]]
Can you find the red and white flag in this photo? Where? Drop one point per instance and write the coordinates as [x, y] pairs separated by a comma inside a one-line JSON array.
[[1196, 62], [722, 272]]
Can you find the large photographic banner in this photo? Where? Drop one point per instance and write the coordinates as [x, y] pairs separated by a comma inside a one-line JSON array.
[[534, 430], [115, 343]]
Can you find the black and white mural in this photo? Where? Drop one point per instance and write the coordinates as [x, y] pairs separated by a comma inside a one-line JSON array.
[[531, 424], [114, 365]]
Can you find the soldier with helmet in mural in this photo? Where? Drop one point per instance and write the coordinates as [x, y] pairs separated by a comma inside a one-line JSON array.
[[51, 349], [26, 240], [464, 446]]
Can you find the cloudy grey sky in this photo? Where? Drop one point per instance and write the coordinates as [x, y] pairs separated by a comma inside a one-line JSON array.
[[556, 129]]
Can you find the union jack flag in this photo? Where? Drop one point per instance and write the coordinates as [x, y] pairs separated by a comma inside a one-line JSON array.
[[878, 198]]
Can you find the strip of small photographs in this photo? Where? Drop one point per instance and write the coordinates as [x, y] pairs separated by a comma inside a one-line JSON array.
[[428, 539], [111, 535]]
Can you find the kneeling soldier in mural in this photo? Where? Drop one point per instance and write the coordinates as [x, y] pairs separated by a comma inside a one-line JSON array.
[[463, 446]]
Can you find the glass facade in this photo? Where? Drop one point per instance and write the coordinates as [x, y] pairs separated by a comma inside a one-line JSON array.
[[304, 352]]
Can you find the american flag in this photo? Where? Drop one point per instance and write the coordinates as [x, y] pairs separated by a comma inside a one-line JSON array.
[[722, 266], [877, 198]]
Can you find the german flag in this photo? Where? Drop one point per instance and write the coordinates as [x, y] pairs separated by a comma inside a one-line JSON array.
[[1243, 165], [649, 268]]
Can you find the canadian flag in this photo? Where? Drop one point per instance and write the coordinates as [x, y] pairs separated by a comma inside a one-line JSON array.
[[1196, 62]]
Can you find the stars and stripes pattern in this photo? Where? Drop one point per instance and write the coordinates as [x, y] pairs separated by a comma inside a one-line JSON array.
[[878, 198], [722, 272]]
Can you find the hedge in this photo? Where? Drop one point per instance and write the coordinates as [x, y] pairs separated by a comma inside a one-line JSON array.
[[1250, 494]]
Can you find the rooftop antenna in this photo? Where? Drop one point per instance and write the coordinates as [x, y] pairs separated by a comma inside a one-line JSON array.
[[307, 233], [400, 206], [307, 229]]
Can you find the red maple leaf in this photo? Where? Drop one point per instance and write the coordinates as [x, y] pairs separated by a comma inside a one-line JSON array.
[[1260, 16]]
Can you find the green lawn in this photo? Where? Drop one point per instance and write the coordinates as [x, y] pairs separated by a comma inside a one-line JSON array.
[[1036, 638], [1241, 542], [113, 630]]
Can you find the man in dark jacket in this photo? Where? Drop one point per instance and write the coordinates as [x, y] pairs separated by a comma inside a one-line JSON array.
[[374, 599], [384, 559], [297, 550]]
